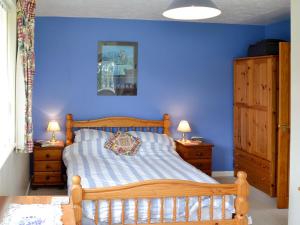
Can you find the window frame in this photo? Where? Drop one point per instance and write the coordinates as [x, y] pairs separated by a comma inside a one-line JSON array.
[[10, 7]]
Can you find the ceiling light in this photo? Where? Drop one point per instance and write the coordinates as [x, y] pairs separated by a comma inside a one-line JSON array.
[[191, 10]]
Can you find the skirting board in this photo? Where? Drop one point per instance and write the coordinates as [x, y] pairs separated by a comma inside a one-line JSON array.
[[28, 188], [222, 173]]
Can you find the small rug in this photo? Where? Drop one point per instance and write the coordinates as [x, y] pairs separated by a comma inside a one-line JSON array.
[[32, 214]]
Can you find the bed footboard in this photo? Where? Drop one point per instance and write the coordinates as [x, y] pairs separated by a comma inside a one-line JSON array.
[[161, 189]]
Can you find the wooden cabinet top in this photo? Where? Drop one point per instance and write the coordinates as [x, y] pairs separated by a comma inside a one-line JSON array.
[[200, 144], [256, 57], [60, 145]]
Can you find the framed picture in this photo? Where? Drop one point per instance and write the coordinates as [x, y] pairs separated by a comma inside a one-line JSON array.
[[117, 68]]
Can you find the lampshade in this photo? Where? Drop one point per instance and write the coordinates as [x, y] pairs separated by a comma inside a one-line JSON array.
[[184, 126], [53, 126], [191, 10]]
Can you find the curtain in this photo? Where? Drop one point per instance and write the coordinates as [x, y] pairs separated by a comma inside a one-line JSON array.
[[25, 70]]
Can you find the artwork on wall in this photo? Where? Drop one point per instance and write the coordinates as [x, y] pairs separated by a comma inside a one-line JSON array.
[[117, 68]]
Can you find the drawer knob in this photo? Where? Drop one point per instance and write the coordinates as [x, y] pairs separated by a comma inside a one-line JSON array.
[[199, 154], [47, 177], [48, 167], [47, 155]]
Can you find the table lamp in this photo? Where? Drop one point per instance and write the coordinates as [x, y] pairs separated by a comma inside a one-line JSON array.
[[53, 126], [184, 127]]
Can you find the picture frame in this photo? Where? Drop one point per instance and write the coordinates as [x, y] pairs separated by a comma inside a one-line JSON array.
[[117, 68]]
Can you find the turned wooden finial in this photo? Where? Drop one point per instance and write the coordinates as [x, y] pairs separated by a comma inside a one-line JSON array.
[[167, 124], [241, 201], [76, 180], [76, 197]]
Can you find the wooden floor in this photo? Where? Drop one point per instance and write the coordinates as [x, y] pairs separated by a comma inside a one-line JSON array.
[[262, 208]]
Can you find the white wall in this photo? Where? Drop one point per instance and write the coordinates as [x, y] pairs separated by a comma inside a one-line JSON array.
[[14, 175], [294, 208]]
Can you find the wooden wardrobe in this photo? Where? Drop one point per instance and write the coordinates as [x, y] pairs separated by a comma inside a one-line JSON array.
[[261, 121]]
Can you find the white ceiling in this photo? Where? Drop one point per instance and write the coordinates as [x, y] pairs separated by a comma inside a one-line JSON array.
[[233, 11]]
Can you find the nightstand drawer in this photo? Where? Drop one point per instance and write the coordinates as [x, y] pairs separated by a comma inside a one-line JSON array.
[[47, 178], [47, 166], [44, 155], [202, 164], [188, 153]]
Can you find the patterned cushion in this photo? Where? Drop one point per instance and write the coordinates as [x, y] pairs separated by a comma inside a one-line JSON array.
[[91, 134], [123, 144]]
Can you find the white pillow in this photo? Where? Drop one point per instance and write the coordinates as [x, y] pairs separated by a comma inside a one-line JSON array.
[[91, 134], [151, 137]]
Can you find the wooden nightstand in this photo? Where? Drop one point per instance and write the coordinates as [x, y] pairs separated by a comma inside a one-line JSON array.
[[47, 166], [200, 155]]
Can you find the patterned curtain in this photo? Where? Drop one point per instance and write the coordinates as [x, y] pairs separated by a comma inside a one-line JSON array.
[[24, 74]]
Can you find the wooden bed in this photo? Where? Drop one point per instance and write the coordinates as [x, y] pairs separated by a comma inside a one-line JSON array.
[[155, 189]]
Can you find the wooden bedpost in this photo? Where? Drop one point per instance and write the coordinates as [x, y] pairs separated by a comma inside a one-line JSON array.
[[69, 132], [167, 124], [76, 197], [241, 201]]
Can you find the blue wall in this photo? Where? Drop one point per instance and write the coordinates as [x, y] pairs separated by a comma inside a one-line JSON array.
[[184, 69], [279, 30]]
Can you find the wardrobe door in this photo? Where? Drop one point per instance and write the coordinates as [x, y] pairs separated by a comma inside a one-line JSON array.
[[242, 71], [283, 126], [263, 113]]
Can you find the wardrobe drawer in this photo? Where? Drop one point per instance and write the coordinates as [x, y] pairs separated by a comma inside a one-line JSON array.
[[258, 171], [252, 161], [44, 166]]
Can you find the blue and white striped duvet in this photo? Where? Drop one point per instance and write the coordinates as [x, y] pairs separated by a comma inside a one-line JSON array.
[[99, 167]]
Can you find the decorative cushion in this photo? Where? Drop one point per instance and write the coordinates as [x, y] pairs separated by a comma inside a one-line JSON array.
[[123, 144]]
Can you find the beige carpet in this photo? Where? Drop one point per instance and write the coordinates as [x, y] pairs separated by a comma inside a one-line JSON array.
[[262, 208]]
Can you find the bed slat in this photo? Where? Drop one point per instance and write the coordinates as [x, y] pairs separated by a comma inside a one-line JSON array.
[[123, 212], [136, 211], [109, 212], [149, 212], [96, 218], [223, 206], [199, 207], [187, 210], [162, 210], [174, 209], [211, 208]]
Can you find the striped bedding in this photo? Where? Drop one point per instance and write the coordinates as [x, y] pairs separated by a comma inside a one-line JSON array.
[[156, 159]]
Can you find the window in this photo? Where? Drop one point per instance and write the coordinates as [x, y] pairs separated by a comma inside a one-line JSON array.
[[7, 78]]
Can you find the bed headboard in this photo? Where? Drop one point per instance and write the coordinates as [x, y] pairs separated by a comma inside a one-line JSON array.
[[112, 123]]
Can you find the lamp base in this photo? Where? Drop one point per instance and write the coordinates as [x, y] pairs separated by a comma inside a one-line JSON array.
[[183, 138], [53, 138]]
